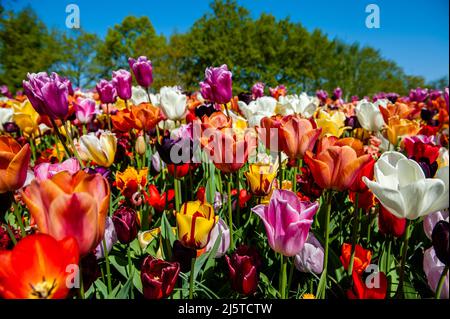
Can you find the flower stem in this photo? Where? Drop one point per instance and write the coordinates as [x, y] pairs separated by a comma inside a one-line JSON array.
[[191, 279], [238, 201], [80, 273], [291, 274], [403, 260], [441, 282], [354, 234], [108, 269], [19, 219], [58, 133], [327, 238], [230, 213], [69, 136], [283, 282], [177, 192]]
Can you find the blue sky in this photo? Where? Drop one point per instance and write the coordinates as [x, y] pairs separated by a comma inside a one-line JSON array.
[[413, 33]]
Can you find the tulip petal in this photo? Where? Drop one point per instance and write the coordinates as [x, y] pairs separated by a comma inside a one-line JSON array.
[[391, 199]]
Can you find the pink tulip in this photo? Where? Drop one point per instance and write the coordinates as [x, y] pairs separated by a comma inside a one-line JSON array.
[[287, 221], [46, 170], [85, 110], [433, 267]]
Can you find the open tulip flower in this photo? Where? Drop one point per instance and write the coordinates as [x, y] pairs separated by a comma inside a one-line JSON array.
[[14, 161], [70, 205], [260, 178], [101, 149], [331, 124], [145, 116]]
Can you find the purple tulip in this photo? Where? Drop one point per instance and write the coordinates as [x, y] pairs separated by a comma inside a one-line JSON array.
[[85, 110], [258, 90], [122, 81], [392, 97], [110, 238], [337, 93], [107, 91], [143, 70], [355, 98], [5, 91], [310, 258], [433, 268], [48, 94], [217, 86], [322, 95], [126, 224], [435, 94], [220, 227], [418, 95], [378, 96], [287, 221]]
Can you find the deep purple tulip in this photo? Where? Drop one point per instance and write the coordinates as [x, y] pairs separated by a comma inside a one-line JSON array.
[[440, 239], [392, 97], [183, 255], [435, 94], [418, 95], [337, 93], [287, 221], [258, 90], [352, 121], [106, 91], [378, 96], [122, 81], [217, 86], [322, 95], [10, 127], [48, 94], [245, 97], [143, 70], [205, 109], [244, 265], [126, 224]]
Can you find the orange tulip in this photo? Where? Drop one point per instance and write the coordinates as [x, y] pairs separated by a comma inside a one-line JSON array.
[[401, 110], [398, 128], [336, 167], [146, 116], [299, 135], [270, 132], [217, 120], [70, 205], [327, 141], [38, 267], [14, 161], [123, 121]]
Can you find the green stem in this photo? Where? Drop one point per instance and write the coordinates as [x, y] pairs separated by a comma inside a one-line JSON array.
[[33, 149], [283, 281], [19, 219], [230, 213], [291, 274], [177, 192], [108, 268], [82, 296], [441, 282], [11, 235], [238, 205], [403, 260], [60, 137], [354, 234], [191, 279], [327, 238], [69, 136]]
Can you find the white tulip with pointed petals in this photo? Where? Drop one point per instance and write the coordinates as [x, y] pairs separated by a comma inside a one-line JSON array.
[[402, 188], [369, 116]]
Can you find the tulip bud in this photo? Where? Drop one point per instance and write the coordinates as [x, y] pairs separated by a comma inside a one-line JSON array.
[[310, 258], [140, 146], [440, 239], [158, 277], [126, 224], [244, 266]]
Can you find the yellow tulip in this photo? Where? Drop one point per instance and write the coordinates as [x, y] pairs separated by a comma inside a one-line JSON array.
[[332, 124], [101, 150], [260, 178], [398, 128], [195, 221], [25, 117]]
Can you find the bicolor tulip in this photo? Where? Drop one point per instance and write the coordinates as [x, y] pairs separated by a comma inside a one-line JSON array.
[[244, 266], [402, 188], [107, 91], [287, 221], [45, 171], [217, 86], [131, 181], [85, 110], [48, 94], [299, 135], [143, 70], [122, 81], [258, 90], [361, 260], [14, 161], [369, 116], [158, 277], [173, 103], [101, 150], [39, 267], [260, 177], [70, 205], [195, 220]]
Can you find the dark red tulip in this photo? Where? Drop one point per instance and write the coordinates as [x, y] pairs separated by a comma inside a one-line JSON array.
[[126, 224], [440, 238], [244, 270], [183, 255], [158, 277], [388, 224]]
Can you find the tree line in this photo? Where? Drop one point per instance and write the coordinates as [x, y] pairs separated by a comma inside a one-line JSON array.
[[266, 49]]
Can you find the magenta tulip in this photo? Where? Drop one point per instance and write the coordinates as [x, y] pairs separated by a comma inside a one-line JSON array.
[[122, 82], [217, 86], [106, 91], [143, 70], [258, 90], [287, 221]]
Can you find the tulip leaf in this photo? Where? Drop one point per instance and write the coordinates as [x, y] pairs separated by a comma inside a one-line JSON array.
[[206, 257], [137, 280], [114, 292], [320, 294], [265, 283], [101, 288], [168, 237], [124, 292]]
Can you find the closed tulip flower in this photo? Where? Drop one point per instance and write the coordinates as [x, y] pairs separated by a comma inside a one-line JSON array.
[[126, 224], [217, 86], [85, 110], [258, 90], [48, 94], [143, 71], [222, 229], [173, 103], [433, 268], [260, 178], [107, 91], [310, 258], [369, 116], [287, 221], [432, 219], [70, 205], [399, 127], [299, 135], [244, 266], [38, 268], [122, 82], [14, 161], [440, 239], [195, 220], [402, 188], [158, 277], [101, 150]]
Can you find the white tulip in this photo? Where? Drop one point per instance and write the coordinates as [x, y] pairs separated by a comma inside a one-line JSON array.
[[6, 115], [173, 102], [402, 188], [369, 116], [138, 95], [258, 109], [294, 104]]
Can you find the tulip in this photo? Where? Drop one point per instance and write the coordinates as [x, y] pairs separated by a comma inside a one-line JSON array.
[[126, 224], [331, 124], [48, 94], [106, 91], [294, 104], [337, 167], [38, 268], [110, 239], [173, 103], [362, 291], [183, 255], [260, 178], [101, 150], [440, 239], [402, 188], [433, 268], [46, 170], [140, 145], [146, 116], [299, 135], [337, 93], [258, 90], [369, 116], [361, 259], [123, 121], [4, 90], [278, 92], [143, 71], [131, 181], [70, 205], [222, 229], [216, 121], [244, 266], [389, 224], [322, 95], [418, 95], [14, 161], [398, 128], [217, 86], [158, 201], [178, 170], [158, 277], [287, 221], [26, 118], [310, 258], [432, 219], [195, 220], [258, 109], [85, 110], [6, 115], [122, 81]]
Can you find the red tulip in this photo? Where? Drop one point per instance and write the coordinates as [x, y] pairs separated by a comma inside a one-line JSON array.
[[158, 277], [388, 224], [362, 291], [244, 266], [361, 260], [160, 201]]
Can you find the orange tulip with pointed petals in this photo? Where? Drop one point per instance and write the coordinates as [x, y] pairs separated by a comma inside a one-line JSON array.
[[14, 161], [70, 205], [38, 267], [299, 135], [401, 110], [336, 167]]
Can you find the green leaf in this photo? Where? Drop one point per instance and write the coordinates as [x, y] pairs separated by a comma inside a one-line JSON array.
[[126, 288], [101, 288], [168, 237]]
